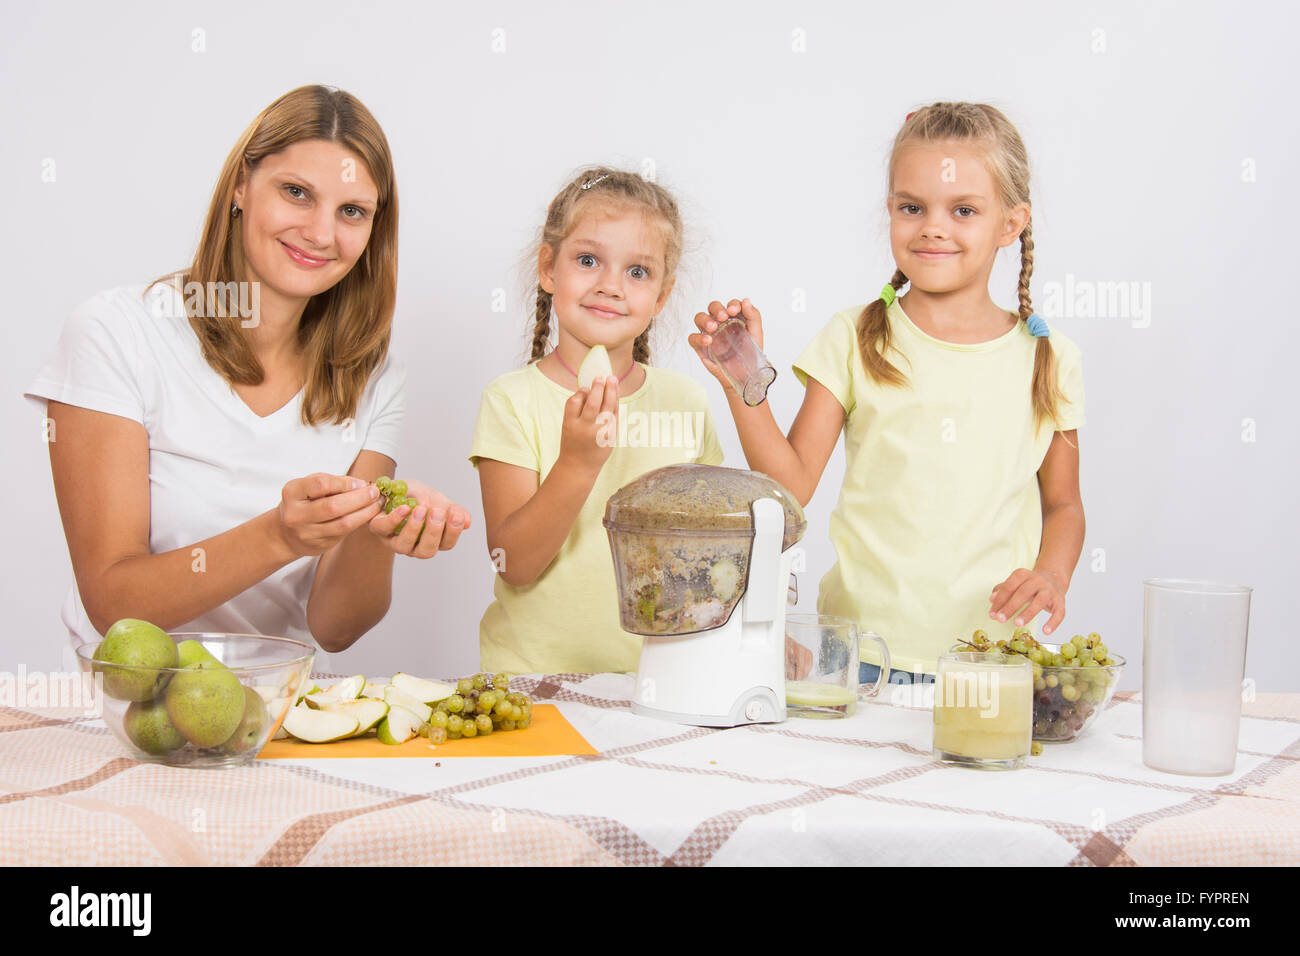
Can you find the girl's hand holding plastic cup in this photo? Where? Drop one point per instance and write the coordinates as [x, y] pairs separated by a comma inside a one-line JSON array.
[[590, 426], [708, 322], [730, 344], [434, 525]]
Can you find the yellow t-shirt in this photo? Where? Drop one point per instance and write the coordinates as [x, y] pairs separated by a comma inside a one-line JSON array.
[[940, 501], [567, 619]]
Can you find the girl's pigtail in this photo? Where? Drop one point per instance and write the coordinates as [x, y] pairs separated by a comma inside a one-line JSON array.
[[874, 336], [641, 348], [542, 324], [1045, 394]]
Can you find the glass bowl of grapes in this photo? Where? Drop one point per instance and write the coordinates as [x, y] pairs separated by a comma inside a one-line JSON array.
[[1073, 681]]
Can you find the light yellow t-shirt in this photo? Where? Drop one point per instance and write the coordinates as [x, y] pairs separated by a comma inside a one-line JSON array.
[[567, 620], [940, 501]]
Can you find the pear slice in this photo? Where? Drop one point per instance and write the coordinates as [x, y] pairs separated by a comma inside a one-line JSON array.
[[398, 698], [374, 689], [318, 700], [348, 688], [595, 365], [399, 726], [319, 726], [426, 691], [305, 690], [367, 712]]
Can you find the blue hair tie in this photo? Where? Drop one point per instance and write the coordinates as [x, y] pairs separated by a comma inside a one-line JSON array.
[[888, 294], [1037, 327]]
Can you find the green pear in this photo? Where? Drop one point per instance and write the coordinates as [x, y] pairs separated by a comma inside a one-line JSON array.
[[206, 704], [192, 652], [252, 726], [150, 729], [141, 645]]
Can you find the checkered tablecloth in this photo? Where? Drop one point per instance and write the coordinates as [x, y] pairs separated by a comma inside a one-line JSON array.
[[863, 790]]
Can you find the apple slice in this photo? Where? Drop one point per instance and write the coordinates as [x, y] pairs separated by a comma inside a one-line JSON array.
[[426, 691], [595, 365], [319, 726], [348, 688], [399, 726], [367, 712], [398, 698]]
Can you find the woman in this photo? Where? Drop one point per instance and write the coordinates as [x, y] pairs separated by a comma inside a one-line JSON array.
[[178, 412]]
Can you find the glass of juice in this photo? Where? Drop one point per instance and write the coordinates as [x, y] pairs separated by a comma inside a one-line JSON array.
[[984, 710], [821, 666], [744, 364]]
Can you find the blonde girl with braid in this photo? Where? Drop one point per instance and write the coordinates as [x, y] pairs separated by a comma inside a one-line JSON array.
[[549, 453], [960, 507]]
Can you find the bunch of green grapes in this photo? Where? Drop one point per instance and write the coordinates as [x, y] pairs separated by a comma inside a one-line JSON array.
[[482, 704], [394, 494]]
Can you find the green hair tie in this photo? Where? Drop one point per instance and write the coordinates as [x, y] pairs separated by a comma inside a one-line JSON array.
[[888, 294]]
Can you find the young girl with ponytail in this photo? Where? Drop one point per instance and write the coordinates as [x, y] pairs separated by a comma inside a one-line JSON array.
[[549, 452], [960, 506]]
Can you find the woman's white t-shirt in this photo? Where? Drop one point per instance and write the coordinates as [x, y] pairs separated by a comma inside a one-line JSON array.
[[213, 463]]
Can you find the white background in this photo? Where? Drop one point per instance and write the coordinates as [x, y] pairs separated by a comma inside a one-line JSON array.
[[1145, 124]]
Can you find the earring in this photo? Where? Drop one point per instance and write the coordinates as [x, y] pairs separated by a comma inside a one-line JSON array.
[[234, 210]]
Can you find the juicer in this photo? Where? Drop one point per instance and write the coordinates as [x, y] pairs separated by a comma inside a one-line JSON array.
[[703, 557]]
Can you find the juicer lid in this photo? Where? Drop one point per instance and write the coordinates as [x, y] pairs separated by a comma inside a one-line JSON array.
[[700, 500]]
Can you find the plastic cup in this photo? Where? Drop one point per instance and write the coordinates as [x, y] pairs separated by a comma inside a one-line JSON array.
[[1193, 662], [745, 366]]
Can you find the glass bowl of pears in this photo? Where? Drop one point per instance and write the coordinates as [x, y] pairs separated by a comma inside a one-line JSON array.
[[198, 699], [1073, 681]]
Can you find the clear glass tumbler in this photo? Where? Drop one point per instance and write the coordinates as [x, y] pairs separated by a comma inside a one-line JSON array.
[[984, 710]]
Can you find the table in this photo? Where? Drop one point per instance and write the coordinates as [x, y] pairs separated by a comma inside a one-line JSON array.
[[863, 790]]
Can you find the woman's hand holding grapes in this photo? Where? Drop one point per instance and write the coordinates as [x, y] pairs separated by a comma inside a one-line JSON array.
[[435, 521], [320, 510]]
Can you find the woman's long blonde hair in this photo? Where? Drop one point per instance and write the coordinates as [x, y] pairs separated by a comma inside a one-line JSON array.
[[345, 330], [1008, 162]]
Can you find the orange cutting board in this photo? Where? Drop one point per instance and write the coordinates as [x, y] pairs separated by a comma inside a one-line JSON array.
[[549, 735]]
